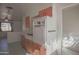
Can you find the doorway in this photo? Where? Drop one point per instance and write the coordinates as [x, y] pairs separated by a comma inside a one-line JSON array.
[[70, 41]]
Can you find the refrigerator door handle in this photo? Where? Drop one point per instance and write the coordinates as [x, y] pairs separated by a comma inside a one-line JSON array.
[[52, 31]]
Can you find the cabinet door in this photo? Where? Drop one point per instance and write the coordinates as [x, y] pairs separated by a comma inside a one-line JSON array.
[[27, 22], [46, 12]]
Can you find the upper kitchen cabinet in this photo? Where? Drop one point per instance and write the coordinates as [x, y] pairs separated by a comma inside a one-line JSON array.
[[28, 25], [27, 21], [46, 12]]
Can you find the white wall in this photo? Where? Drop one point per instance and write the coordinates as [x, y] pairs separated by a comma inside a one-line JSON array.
[[16, 35], [13, 37], [17, 26], [71, 20]]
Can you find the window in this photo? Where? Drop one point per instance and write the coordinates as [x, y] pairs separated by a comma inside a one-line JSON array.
[[6, 27]]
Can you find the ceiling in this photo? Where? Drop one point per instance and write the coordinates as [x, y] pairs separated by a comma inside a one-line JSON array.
[[19, 9]]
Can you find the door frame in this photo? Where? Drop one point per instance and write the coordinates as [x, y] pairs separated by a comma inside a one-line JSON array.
[[58, 16]]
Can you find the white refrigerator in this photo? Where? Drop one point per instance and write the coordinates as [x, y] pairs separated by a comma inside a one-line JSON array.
[[44, 33]]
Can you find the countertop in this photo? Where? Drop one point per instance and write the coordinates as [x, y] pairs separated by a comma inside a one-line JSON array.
[[30, 37]]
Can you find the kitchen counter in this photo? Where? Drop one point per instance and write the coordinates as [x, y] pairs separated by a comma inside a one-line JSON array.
[[30, 37]]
